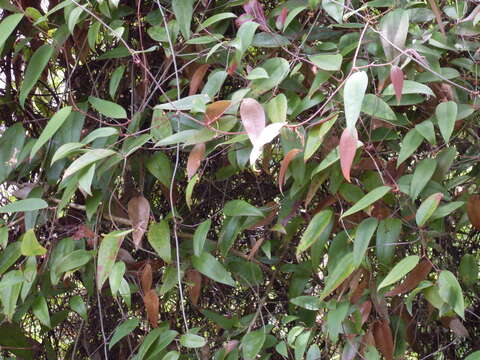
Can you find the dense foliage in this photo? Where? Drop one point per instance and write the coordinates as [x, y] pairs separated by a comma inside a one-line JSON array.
[[201, 179]]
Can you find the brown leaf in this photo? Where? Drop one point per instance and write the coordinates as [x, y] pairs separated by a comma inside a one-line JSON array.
[[195, 278], [396, 76], [197, 79], [125, 256], [284, 166], [358, 290], [268, 219], [365, 310], [147, 278], [383, 338], [455, 325], [83, 231], [347, 149], [253, 118], [230, 346], [438, 15], [152, 304], [139, 214], [418, 274], [473, 210], [197, 154], [215, 110]]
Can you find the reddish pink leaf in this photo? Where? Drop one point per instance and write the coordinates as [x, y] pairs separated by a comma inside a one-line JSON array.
[[197, 78], [280, 22], [195, 159], [230, 345], [139, 214], [396, 76], [348, 147], [284, 166], [253, 118], [253, 11], [365, 310], [383, 338]]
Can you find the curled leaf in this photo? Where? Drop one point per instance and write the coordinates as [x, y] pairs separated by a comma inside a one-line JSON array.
[[152, 304], [139, 214], [284, 166], [195, 279], [473, 210], [396, 76], [197, 79], [347, 149], [147, 278], [195, 159], [253, 119], [383, 338]]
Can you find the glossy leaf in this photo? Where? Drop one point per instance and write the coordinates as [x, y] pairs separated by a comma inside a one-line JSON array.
[[451, 292], [36, 65], [427, 208], [139, 214], [192, 341], [446, 113], [314, 230], [108, 108], [363, 235], [253, 118], [422, 175], [7, 26], [353, 94], [123, 330], [200, 236], [107, 253], [241, 208], [159, 238], [402, 268], [212, 268], [347, 149], [87, 159], [31, 204], [340, 272], [374, 195]]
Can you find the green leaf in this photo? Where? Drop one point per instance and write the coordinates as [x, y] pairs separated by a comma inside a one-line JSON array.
[[107, 108], [7, 26], [410, 143], [291, 15], [86, 159], [388, 233], [159, 238], [307, 302], [446, 114], [40, 310], [115, 80], [427, 208], [216, 18], [116, 277], [314, 230], [200, 236], [24, 205], [367, 200], [474, 356], [427, 131], [329, 62], [353, 95], [99, 133], [159, 166], [77, 305], [65, 150], [212, 268], [183, 10], [241, 208], [374, 106], [107, 253], [469, 269], [340, 272], [185, 103], [30, 245], [422, 175], [277, 69], [409, 87], [252, 343], [36, 65], [363, 235], [399, 270], [72, 260], [16, 277], [334, 9], [451, 292], [171, 355], [11, 145], [394, 28], [192, 341], [123, 330], [257, 73]]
